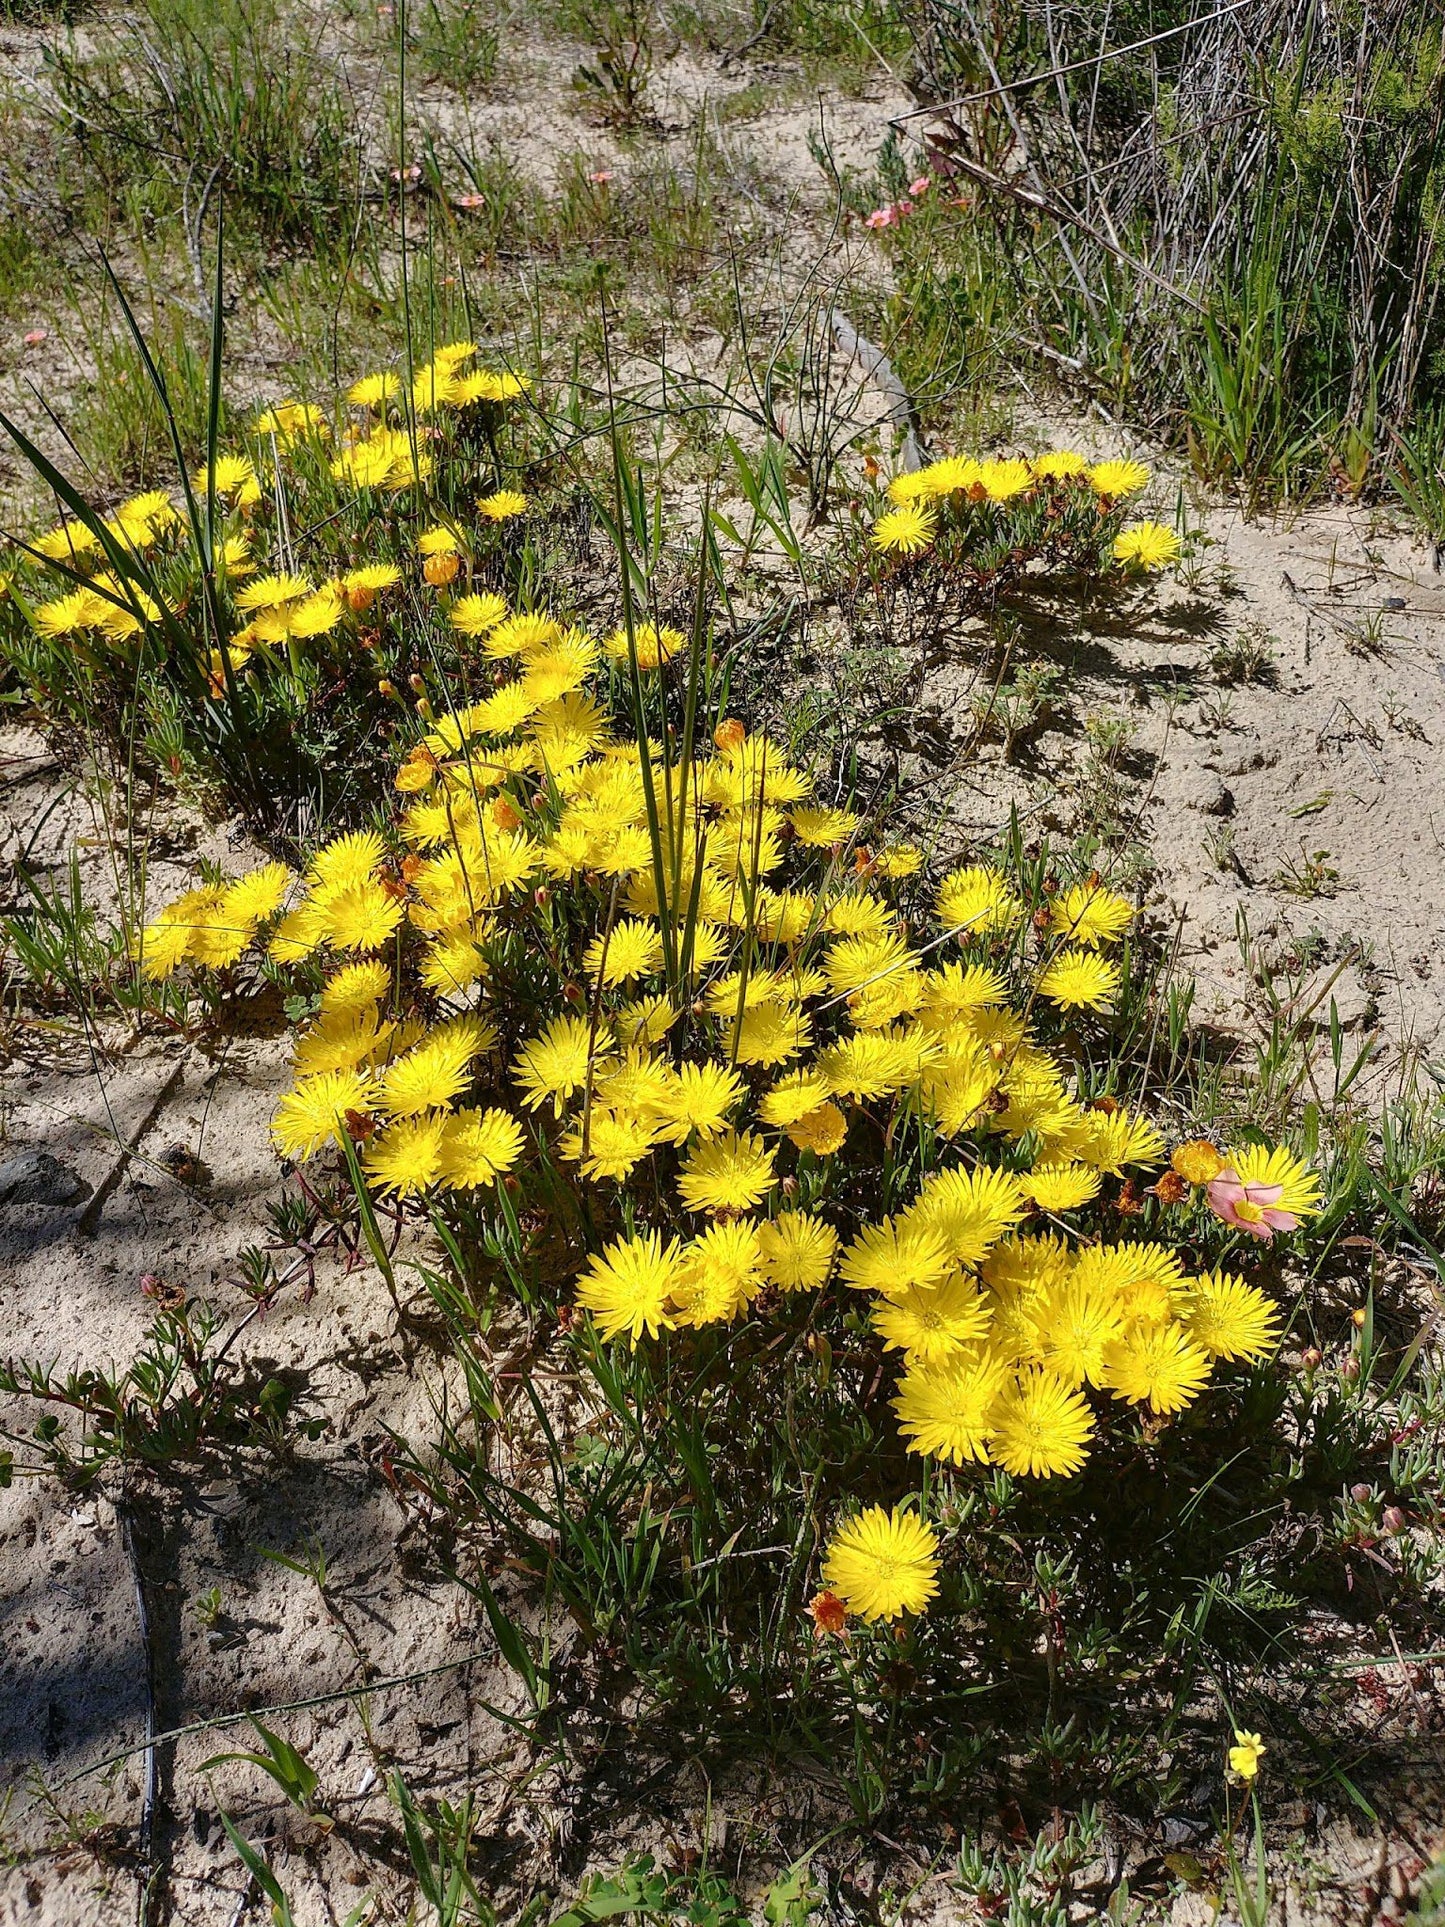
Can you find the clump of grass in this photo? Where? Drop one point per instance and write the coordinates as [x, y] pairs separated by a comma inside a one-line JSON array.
[[189, 99]]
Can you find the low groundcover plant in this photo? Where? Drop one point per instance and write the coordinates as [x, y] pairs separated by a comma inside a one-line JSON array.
[[667, 1011]]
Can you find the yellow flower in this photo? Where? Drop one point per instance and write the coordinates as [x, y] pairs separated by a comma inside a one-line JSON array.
[[980, 900], [821, 1131], [727, 1173], [1080, 980], [1228, 1318], [477, 615], [374, 391], [629, 1287], [360, 918], [905, 531], [477, 1147], [355, 986], [610, 1143], [1089, 914], [895, 1257], [1061, 1187], [315, 1112], [791, 1098], [1197, 1161], [555, 1064], [1001, 481], [722, 1276], [1115, 479], [796, 1251], [407, 1156], [932, 1323], [700, 1101], [946, 1410], [770, 1033], [1146, 545], [1041, 1427], [630, 949], [1245, 1755], [969, 1210], [1060, 464], [503, 505], [654, 645], [1159, 1366], [429, 1077], [883, 1564]]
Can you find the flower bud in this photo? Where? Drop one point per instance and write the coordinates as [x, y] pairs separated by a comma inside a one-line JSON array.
[[1359, 1493], [1350, 1368], [1312, 1358], [1393, 1519], [416, 684], [439, 570], [1357, 1318], [730, 735]]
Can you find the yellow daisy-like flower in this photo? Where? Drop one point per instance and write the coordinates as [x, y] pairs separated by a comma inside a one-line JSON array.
[[436, 1071], [315, 1113], [609, 1144], [796, 1251], [1113, 480], [1228, 1318], [374, 391], [723, 1275], [477, 615], [908, 530], [770, 1033], [727, 1173], [1080, 980], [272, 591], [1089, 914], [883, 1564], [1158, 1365], [407, 1156], [868, 1065], [1002, 481], [631, 949], [1146, 545], [503, 505], [355, 986], [655, 645], [822, 1131], [978, 899], [1061, 1187], [792, 1097], [360, 918], [1077, 1324], [1041, 1427], [478, 1147], [1111, 1139], [553, 1067], [946, 1410], [895, 1257], [700, 1101], [933, 1322], [970, 1210], [629, 1287], [820, 828], [1059, 465], [258, 895]]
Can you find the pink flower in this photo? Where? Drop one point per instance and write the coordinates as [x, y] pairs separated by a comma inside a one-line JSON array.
[[881, 217], [35, 337], [601, 177], [1252, 1208], [470, 201], [920, 186], [412, 173]]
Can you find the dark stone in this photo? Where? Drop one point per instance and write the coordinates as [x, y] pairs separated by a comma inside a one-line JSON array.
[[35, 1177]]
